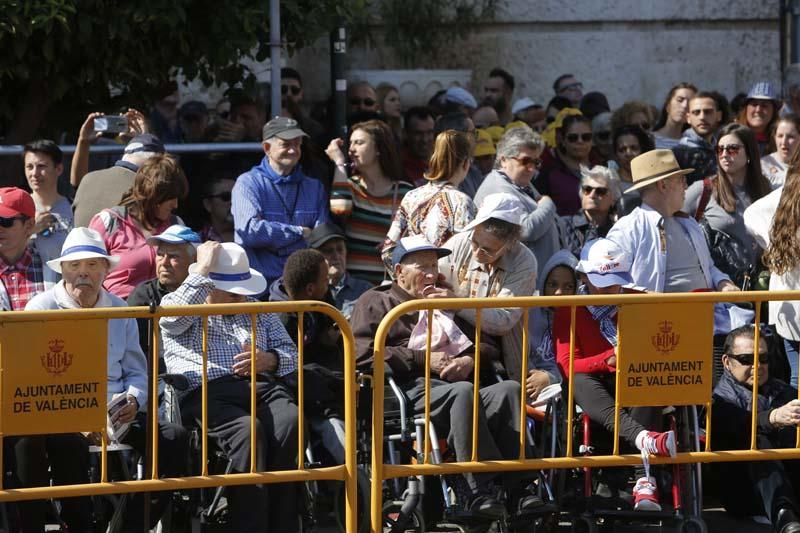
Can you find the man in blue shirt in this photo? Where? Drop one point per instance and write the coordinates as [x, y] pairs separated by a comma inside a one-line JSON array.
[[275, 205]]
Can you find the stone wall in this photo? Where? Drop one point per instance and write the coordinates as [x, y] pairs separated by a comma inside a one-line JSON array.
[[628, 49]]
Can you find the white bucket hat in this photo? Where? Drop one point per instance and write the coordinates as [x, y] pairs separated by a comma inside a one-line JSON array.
[[500, 205], [82, 243], [231, 272]]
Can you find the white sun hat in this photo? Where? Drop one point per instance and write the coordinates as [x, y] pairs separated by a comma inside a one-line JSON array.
[[82, 243], [231, 272]]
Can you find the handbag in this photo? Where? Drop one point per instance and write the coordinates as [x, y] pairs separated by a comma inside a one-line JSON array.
[[727, 252]]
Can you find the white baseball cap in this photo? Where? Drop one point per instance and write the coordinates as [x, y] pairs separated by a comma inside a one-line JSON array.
[[500, 205], [605, 264]]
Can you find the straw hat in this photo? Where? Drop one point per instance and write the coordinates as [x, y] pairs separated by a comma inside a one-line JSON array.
[[654, 166]]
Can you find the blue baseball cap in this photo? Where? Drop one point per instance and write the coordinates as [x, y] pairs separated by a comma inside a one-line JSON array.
[[413, 244], [176, 234], [461, 96]]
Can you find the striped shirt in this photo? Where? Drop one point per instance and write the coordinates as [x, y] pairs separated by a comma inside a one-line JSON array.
[[366, 223], [183, 336]]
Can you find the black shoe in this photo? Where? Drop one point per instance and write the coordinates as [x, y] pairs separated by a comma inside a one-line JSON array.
[[486, 506], [529, 502], [787, 521]]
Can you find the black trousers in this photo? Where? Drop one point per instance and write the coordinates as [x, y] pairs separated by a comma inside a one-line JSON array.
[[254, 508], [67, 455], [595, 394]]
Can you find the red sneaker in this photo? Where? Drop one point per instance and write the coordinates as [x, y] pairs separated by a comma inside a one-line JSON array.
[[661, 444], [645, 495]]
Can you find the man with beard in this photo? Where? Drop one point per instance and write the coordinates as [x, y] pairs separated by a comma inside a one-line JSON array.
[[497, 92], [695, 150]]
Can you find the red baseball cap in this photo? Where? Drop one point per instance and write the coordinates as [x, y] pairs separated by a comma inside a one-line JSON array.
[[14, 202]]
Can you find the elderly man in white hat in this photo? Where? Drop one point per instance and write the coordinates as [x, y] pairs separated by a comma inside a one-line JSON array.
[[222, 275], [83, 265], [488, 260], [666, 246]]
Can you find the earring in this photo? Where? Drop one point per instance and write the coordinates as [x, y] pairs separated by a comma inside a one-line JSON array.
[[748, 161]]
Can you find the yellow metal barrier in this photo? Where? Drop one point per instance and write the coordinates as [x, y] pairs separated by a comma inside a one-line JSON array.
[[345, 472], [666, 342]]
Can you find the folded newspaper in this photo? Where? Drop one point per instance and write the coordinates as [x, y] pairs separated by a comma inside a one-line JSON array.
[[116, 431]]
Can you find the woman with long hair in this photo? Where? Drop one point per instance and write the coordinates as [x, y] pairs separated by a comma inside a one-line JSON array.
[[785, 140], [672, 122], [366, 199], [145, 210], [391, 108], [739, 183], [774, 222], [437, 209], [561, 178]]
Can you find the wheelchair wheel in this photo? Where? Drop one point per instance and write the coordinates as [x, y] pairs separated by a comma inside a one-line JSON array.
[[394, 522], [694, 525]]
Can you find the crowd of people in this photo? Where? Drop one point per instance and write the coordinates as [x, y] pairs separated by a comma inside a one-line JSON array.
[[467, 197]]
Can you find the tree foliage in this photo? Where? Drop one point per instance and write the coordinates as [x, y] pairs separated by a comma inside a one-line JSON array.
[[62, 57]]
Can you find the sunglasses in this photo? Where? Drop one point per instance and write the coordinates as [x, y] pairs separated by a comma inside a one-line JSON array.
[[732, 149], [8, 222], [573, 137], [224, 196], [528, 161], [294, 89], [369, 102], [602, 135], [747, 359], [601, 191]]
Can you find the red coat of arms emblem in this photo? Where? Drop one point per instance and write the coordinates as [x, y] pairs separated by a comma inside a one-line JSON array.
[[56, 361], [666, 340]]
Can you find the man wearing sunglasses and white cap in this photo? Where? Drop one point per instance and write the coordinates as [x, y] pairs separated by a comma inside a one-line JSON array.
[[222, 275]]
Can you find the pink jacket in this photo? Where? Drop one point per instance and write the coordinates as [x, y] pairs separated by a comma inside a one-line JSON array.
[[124, 238]]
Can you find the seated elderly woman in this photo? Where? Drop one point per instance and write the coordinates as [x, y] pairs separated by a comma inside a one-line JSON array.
[[222, 275], [83, 265], [488, 260], [605, 269], [599, 193], [758, 487]]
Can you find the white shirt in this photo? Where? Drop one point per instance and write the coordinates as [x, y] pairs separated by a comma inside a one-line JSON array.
[[774, 170]]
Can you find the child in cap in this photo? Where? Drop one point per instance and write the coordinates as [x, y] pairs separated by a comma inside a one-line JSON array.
[[604, 269]]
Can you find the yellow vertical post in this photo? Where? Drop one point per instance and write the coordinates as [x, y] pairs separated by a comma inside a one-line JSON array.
[[376, 496], [253, 372], [351, 468], [300, 393], [617, 386], [204, 400], [708, 426], [523, 413], [476, 392], [571, 380], [103, 456], [754, 403], [427, 443], [155, 353]]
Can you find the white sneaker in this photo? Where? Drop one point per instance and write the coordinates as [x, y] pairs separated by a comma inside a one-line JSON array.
[[645, 495]]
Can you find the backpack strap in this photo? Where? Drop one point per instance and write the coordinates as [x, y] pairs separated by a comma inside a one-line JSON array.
[[704, 198]]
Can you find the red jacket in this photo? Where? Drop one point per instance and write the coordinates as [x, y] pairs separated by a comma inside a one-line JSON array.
[[591, 348]]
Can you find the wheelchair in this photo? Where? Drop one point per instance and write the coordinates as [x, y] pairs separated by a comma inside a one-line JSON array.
[[416, 503], [591, 499]]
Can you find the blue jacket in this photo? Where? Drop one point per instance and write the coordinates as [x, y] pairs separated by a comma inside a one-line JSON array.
[[269, 213]]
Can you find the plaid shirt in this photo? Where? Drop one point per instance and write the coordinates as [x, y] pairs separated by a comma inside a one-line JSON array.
[[183, 336], [21, 281]]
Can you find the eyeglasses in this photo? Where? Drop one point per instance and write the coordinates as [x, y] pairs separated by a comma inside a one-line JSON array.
[[571, 86], [602, 135], [601, 191], [573, 137], [8, 222], [528, 161], [294, 89], [224, 196], [491, 254], [369, 102], [747, 359], [732, 149]]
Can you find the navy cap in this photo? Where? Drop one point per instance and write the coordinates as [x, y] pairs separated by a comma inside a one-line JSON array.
[[145, 142], [323, 233]]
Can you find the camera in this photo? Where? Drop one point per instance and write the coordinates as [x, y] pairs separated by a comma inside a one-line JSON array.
[[111, 124]]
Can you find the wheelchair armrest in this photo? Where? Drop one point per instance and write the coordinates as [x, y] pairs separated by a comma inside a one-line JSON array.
[[176, 381]]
